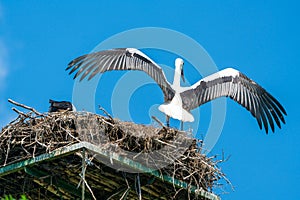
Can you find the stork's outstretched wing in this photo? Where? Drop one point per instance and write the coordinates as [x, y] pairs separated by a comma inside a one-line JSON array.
[[232, 83], [120, 59]]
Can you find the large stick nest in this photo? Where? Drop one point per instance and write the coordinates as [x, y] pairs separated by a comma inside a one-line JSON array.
[[173, 152]]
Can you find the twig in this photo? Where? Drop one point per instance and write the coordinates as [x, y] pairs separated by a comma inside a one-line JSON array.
[[138, 185], [6, 157], [127, 190], [89, 188], [4, 131], [174, 197], [125, 193], [106, 113], [107, 122], [20, 113], [165, 143], [160, 123], [134, 157], [24, 106]]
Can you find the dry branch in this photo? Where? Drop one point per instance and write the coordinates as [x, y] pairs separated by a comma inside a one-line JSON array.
[[24, 106]]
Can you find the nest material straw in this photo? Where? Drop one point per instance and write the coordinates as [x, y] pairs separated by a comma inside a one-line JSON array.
[[34, 133]]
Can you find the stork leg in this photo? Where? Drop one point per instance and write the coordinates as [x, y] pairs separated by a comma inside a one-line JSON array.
[[181, 125], [168, 120]]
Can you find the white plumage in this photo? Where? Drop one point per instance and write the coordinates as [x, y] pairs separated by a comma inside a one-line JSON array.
[[180, 100]]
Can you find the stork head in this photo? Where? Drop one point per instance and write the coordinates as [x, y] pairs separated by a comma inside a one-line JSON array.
[[179, 67]]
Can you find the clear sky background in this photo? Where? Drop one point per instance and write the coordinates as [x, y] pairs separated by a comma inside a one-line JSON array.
[[261, 39]]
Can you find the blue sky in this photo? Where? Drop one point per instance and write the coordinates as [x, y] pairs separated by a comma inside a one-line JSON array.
[[261, 39]]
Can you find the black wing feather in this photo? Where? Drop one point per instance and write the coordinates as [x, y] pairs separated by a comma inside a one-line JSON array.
[[119, 59], [231, 83]]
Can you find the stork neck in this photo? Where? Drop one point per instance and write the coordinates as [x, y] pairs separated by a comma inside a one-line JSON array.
[[176, 81]]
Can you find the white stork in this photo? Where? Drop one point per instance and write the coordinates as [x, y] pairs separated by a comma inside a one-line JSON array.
[[180, 100]]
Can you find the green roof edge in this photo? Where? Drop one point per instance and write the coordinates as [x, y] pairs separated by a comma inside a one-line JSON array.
[[66, 150]]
